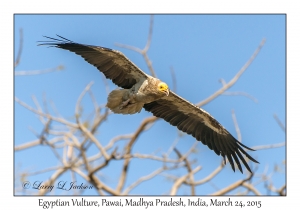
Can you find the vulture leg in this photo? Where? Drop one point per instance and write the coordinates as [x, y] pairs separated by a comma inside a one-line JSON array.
[[124, 104]]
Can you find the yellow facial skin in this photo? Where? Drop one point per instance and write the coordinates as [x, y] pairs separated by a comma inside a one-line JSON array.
[[163, 87]]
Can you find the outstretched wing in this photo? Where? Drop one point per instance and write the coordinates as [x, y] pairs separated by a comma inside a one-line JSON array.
[[201, 125], [112, 63]]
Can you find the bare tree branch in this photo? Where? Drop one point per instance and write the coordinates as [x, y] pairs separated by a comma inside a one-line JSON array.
[[239, 93], [236, 125], [53, 168], [149, 34], [17, 62], [279, 122], [117, 138], [172, 147], [251, 188], [209, 177], [86, 89], [234, 79], [107, 89], [282, 190], [269, 146], [53, 178], [99, 185], [142, 179], [128, 150], [36, 72], [60, 120], [94, 140], [144, 51], [39, 108], [112, 155], [232, 186], [36, 143], [189, 169], [71, 141], [181, 180], [173, 79]]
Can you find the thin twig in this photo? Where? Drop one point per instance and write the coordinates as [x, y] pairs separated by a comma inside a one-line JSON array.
[[173, 79], [117, 138], [240, 93], [17, 62], [149, 34], [209, 177], [189, 169], [43, 171], [269, 146], [96, 107], [236, 125], [39, 108], [86, 89], [172, 147], [54, 108], [107, 89], [251, 188], [144, 51], [152, 157], [232, 186], [279, 122], [94, 140], [162, 159], [142, 179], [36, 72], [57, 119]]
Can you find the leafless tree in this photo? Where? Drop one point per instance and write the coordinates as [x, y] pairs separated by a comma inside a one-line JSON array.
[[70, 141]]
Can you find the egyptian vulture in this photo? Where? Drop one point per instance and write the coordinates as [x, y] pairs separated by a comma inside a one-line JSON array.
[[141, 90]]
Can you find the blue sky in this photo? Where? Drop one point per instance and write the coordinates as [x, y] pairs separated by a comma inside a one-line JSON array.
[[201, 48]]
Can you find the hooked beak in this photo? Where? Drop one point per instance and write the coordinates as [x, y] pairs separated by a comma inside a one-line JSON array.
[[167, 92]]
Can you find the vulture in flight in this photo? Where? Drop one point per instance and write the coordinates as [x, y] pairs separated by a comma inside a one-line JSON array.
[[141, 90]]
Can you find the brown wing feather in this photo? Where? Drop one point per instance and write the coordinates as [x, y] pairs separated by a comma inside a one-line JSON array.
[[112, 63], [201, 125]]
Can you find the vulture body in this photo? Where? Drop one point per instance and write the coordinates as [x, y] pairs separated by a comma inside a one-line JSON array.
[[141, 90]]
